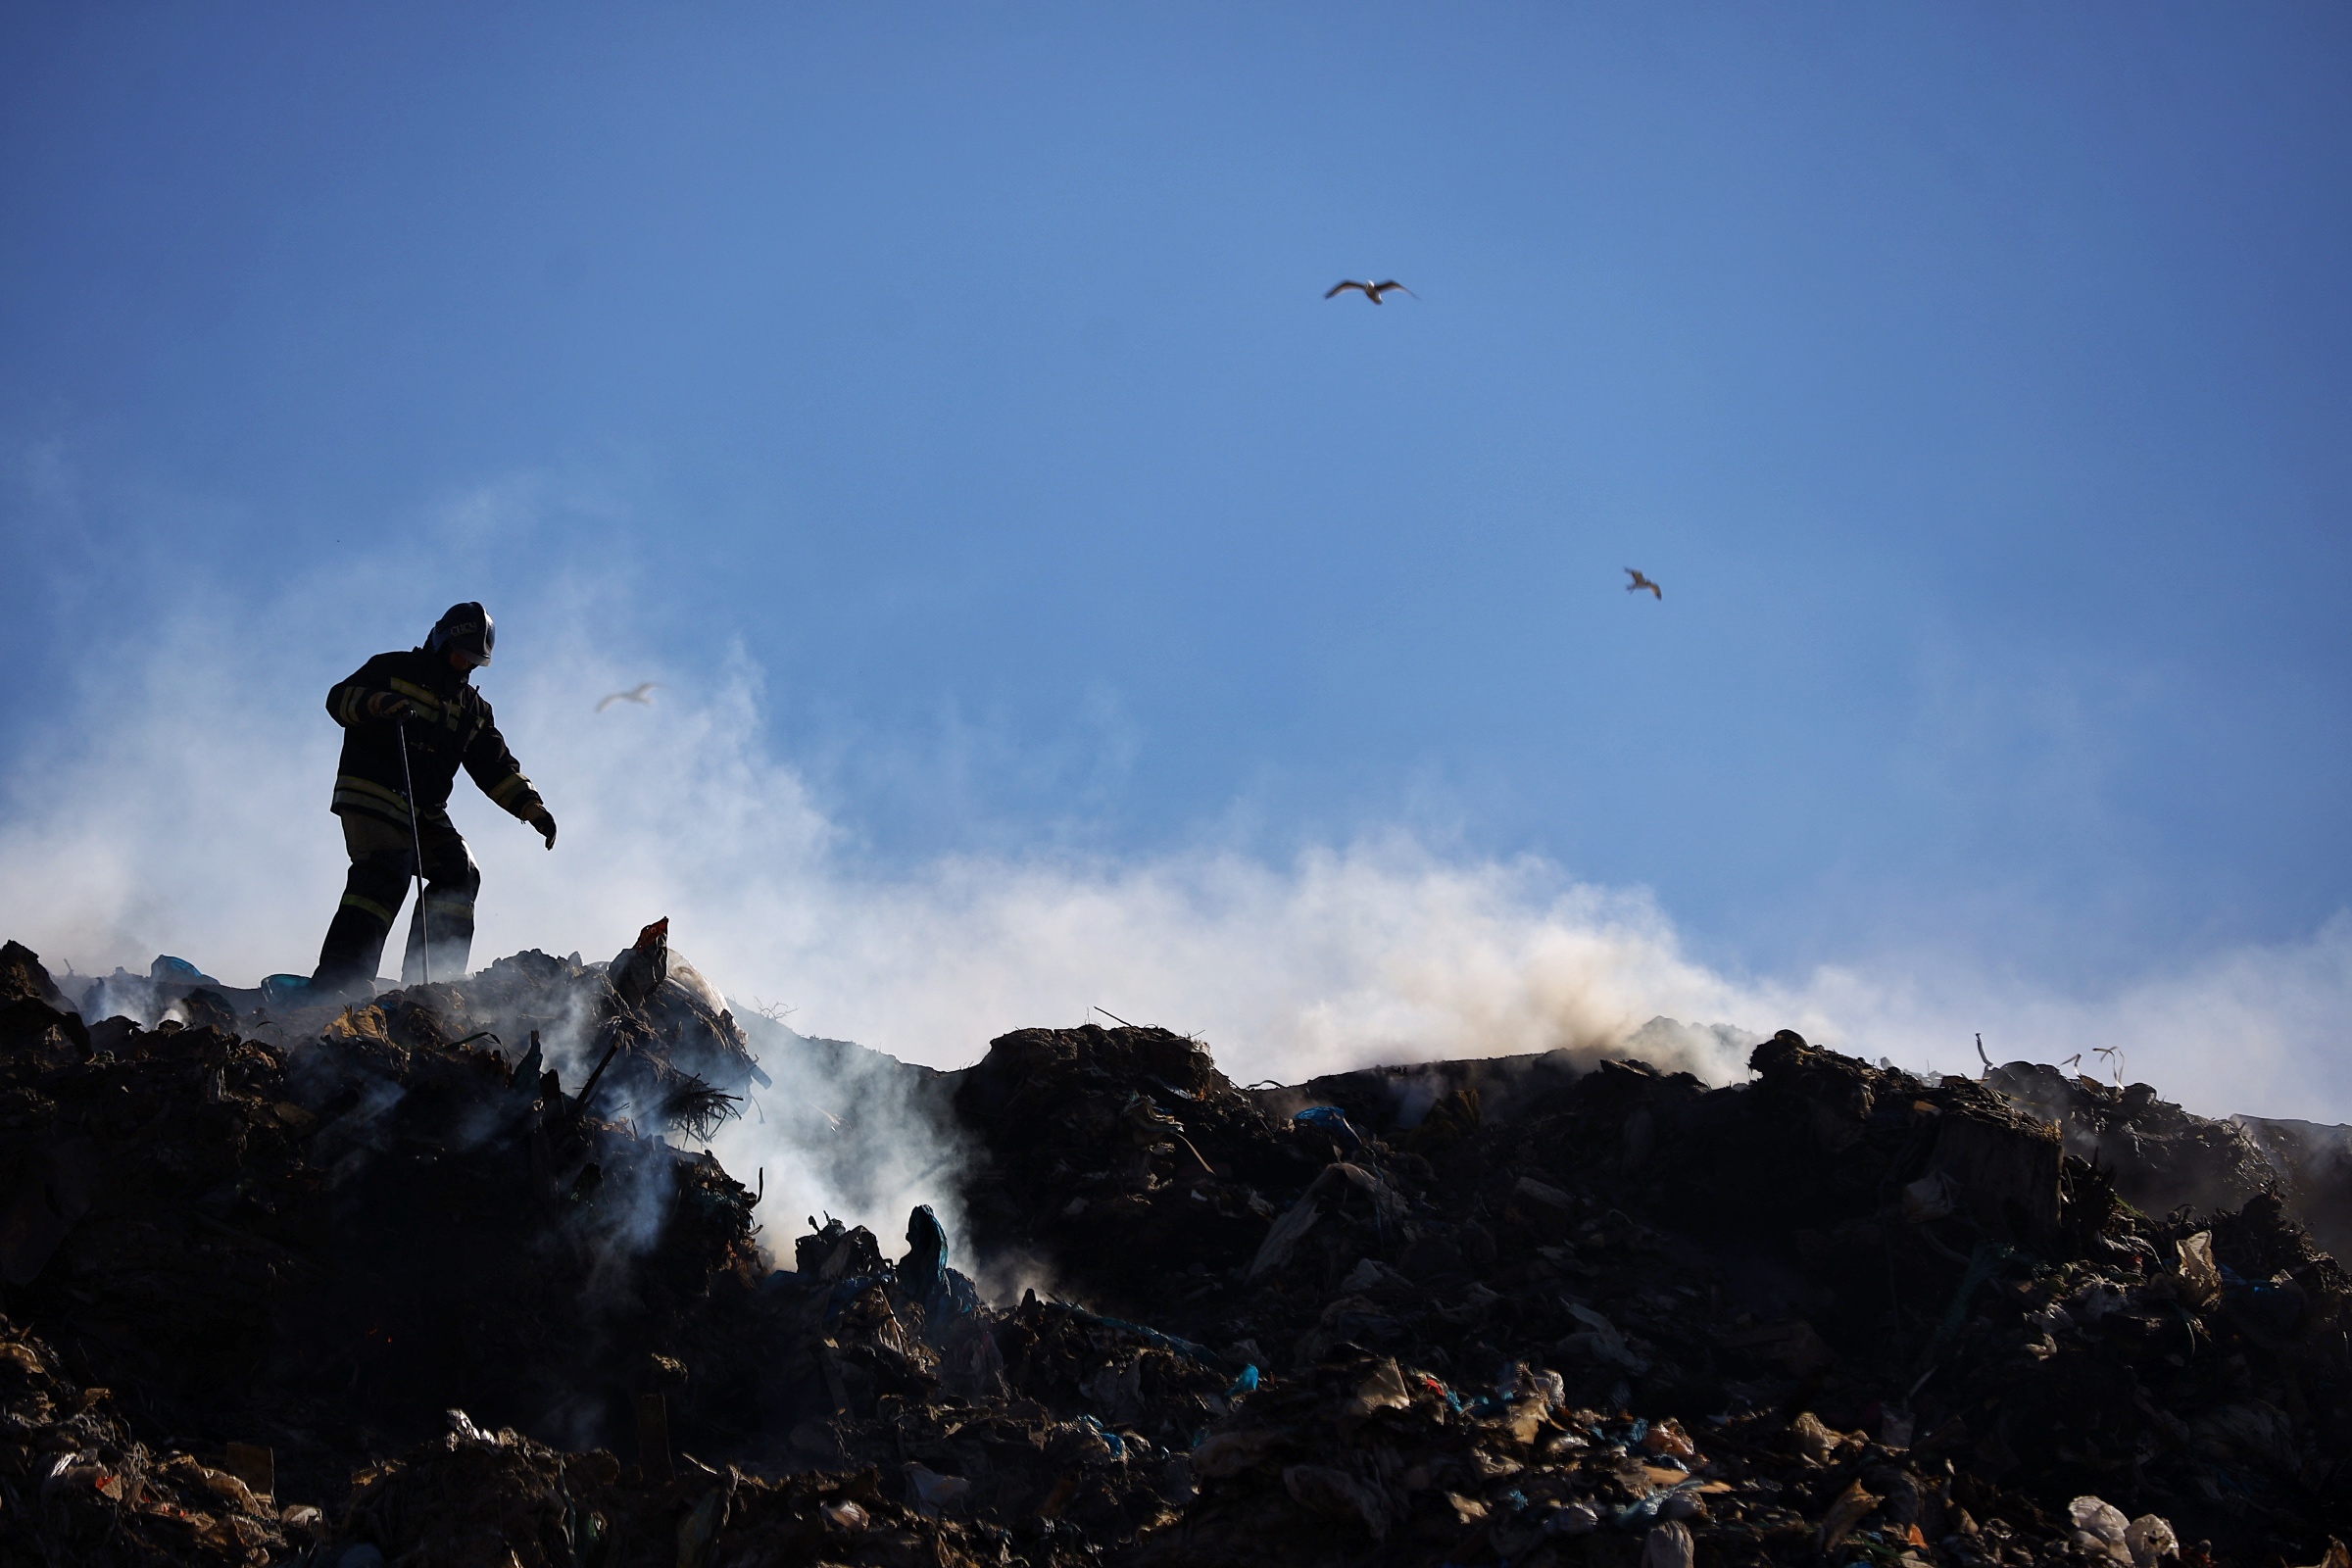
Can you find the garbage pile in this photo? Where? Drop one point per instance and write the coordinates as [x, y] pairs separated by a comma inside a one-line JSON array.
[[426, 1295], [319, 1249], [500, 1498], [1120, 1153], [79, 1487], [2162, 1156], [677, 1053], [1639, 1303]]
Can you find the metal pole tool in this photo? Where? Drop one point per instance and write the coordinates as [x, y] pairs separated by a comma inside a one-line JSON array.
[[425, 929]]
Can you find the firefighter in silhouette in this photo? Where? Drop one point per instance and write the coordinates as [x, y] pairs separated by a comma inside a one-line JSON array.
[[423, 697]]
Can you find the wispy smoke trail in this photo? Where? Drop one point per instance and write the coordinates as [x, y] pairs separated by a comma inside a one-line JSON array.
[[181, 809]]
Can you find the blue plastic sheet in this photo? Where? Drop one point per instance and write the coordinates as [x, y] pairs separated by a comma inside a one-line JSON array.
[[956, 1297], [1331, 1119], [285, 989], [848, 1289], [1643, 1511], [1150, 1337], [923, 1271], [1437, 1384], [1118, 1445]]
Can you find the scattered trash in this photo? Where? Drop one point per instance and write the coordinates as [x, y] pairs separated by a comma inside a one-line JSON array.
[[422, 1278], [932, 1493], [1668, 1545], [1853, 1505]]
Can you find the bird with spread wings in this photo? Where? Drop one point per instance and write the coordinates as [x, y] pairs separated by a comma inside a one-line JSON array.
[[635, 694], [1369, 290], [1641, 583]]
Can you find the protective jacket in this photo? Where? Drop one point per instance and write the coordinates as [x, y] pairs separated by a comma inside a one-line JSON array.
[[450, 726]]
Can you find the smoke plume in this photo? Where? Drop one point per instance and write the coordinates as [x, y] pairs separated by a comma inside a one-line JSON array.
[[180, 807]]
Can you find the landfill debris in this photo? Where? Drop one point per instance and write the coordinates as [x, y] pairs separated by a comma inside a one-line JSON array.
[[426, 1279], [76, 1485]]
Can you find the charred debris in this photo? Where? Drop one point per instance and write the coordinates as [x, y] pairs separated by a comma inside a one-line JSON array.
[[397, 1283]]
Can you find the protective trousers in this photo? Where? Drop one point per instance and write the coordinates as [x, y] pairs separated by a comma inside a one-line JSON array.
[[383, 863]]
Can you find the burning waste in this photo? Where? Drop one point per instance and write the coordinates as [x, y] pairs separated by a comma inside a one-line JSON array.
[[428, 1280]]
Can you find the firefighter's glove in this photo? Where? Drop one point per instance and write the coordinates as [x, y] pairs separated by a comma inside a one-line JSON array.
[[389, 705], [545, 821]]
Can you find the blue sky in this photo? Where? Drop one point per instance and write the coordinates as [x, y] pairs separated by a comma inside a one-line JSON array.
[[1974, 378]]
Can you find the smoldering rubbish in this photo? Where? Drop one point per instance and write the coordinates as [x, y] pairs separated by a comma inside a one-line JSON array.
[[394, 1284]]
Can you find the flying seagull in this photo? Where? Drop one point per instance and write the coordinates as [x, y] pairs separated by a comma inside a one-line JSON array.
[[637, 696], [1641, 583], [1370, 291]]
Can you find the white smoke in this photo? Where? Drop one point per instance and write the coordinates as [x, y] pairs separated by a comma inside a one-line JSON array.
[[181, 807]]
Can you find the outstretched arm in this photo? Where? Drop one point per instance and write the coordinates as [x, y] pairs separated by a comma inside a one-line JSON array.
[[493, 768]]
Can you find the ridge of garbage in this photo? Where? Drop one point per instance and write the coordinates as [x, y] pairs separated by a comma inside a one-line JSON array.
[[401, 1282]]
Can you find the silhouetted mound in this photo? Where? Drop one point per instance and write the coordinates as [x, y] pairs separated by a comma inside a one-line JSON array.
[[2314, 1166], [666, 1038], [390, 1284], [2163, 1157], [676, 1055], [1113, 1154], [324, 1247], [79, 1487]]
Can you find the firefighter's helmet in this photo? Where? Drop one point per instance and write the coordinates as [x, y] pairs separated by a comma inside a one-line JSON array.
[[465, 630]]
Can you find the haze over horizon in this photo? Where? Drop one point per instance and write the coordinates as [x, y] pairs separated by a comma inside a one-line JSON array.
[[1058, 601]]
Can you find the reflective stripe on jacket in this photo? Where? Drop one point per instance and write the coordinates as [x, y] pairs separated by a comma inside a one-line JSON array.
[[450, 727]]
